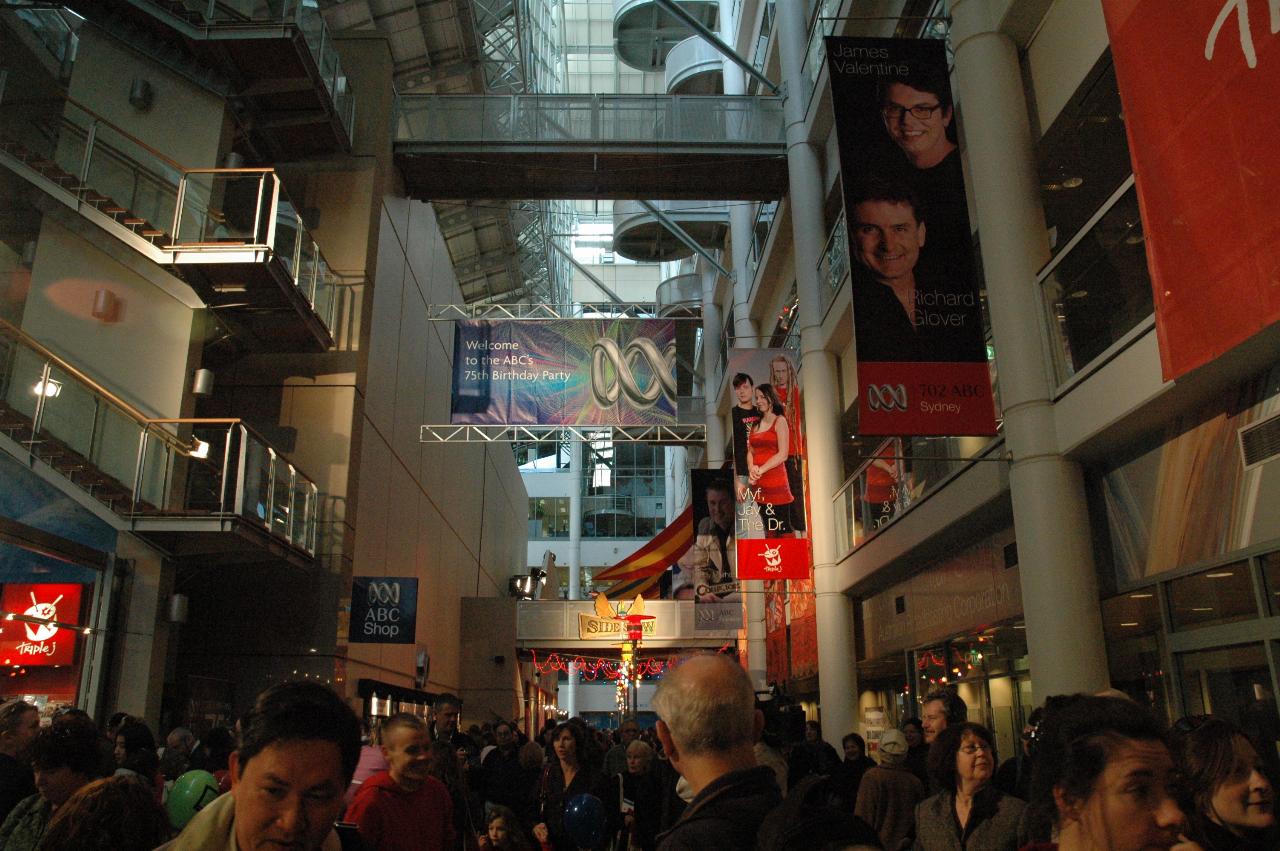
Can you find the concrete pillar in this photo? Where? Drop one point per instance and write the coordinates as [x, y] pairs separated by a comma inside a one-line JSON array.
[[712, 327], [745, 335], [1059, 582], [740, 220], [837, 672], [569, 702]]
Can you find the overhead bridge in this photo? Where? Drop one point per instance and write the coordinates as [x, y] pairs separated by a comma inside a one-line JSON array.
[[679, 147]]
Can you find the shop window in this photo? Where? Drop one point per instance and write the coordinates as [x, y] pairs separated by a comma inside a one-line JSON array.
[[1271, 579], [1221, 595], [1233, 683], [1131, 623], [548, 518]]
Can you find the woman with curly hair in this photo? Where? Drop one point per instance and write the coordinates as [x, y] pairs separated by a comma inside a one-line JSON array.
[[574, 769], [112, 814]]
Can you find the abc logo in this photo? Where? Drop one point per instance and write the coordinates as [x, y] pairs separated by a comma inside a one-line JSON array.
[[886, 397]]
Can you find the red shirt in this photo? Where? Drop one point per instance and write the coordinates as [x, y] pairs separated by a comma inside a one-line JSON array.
[[391, 819]]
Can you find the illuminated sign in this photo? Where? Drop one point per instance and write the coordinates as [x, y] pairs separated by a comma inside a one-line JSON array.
[[32, 644]]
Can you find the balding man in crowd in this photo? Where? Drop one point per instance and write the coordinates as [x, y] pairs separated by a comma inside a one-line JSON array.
[[708, 725]]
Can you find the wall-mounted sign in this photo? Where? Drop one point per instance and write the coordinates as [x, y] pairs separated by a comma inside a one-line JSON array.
[[384, 609], [31, 644], [564, 372], [595, 628]]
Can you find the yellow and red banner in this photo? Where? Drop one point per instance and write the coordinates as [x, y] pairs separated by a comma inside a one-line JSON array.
[[640, 572], [1198, 82]]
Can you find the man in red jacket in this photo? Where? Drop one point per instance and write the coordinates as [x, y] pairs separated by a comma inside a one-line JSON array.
[[404, 808]]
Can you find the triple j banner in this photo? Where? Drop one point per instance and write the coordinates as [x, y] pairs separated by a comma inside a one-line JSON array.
[[768, 464], [1198, 82], [33, 644], [922, 356], [564, 372]]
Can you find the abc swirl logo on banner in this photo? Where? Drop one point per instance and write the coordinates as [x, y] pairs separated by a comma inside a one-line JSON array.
[[384, 593], [608, 389], [886, 397]]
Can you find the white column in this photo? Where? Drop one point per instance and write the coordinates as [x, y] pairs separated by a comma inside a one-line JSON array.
[[1055, 553], [837, 673], [570, 700], [740, 219], [712, 327], [745, 335]]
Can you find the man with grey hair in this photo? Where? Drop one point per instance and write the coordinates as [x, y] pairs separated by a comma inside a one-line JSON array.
[[942, 708], [708, 725], [446, 710]]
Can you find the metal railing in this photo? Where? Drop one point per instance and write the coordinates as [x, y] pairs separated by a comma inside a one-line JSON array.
[[897, 474], [210, 211], [144, 467], [720, 120], [833, 265], [237, 209], [680, 291], [52, 27], [766, 212], [219, 16]]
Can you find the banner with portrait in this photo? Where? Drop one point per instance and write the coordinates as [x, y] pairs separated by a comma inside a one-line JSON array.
[[1197, 83], [564, 372], [769, 464], [921, 347], [707, 572]]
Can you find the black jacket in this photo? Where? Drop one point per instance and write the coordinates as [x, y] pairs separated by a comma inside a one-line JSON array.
[[726, 814]]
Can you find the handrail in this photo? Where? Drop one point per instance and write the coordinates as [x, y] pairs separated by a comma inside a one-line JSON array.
[[231, 421], [14, 332], [134, 139]]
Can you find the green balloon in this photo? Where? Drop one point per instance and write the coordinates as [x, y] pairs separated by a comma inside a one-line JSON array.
[[191, 793]]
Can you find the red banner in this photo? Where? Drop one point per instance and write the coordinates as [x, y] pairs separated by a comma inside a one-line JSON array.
[[777, 659], [804, 646], [1198, 82], [925, 398], [32, 644], [773, 558]]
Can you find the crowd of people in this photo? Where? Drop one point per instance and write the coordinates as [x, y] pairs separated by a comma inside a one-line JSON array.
[[300, 771]]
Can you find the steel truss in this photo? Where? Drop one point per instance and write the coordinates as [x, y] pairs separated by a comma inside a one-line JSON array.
[[677, 434], [580, 310]]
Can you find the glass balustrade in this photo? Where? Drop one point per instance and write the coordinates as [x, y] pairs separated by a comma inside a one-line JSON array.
[[833, 266], [896, 474], [507, 119], [143, 467], [304, 15]]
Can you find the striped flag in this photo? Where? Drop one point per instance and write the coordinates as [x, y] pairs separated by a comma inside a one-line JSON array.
[[639, 572]]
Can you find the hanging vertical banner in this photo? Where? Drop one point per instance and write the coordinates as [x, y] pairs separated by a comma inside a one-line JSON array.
[[922, 355], [777, 659], [769, 464], [1202, 136], [707, 572]]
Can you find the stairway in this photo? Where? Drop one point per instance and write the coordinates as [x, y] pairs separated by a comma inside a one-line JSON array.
[[69, 463], [52, 171]]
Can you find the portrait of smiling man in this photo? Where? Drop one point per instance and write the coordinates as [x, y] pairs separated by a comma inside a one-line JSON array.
[[298, 749], [901, 311]]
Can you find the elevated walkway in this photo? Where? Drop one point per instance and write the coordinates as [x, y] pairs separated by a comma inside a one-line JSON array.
[[677, 147]]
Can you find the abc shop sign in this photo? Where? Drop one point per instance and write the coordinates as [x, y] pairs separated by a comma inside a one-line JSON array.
[[384, 610]]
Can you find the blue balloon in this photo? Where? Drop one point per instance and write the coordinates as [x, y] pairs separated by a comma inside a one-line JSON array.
[[584, 821]]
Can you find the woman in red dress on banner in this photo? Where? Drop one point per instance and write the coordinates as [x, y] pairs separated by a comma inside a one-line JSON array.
[[766, 456]]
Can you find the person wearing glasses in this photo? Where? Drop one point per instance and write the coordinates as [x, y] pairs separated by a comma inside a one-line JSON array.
[[969, 812], [918, 117]]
